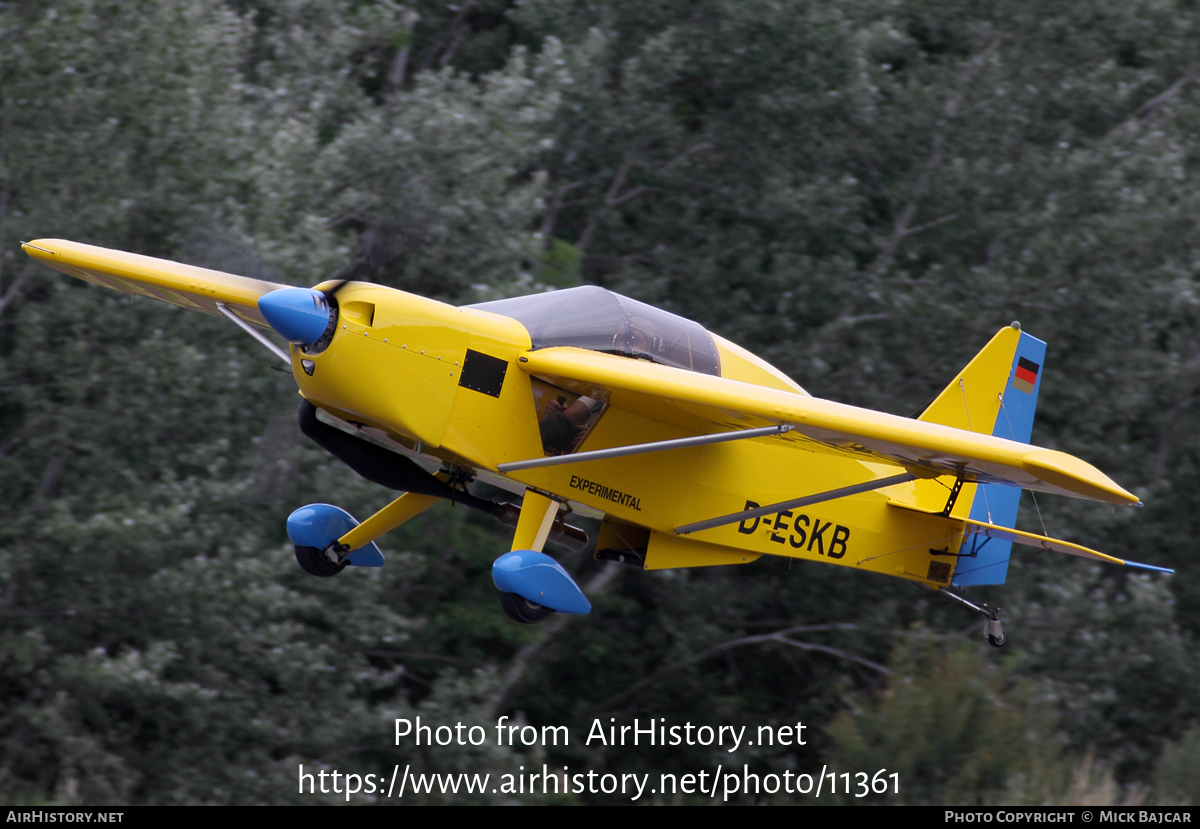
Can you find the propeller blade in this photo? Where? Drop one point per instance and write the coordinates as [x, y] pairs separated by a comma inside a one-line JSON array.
[[332, 292], [273, 475]]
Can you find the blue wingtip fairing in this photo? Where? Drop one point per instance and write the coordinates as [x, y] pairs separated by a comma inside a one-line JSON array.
[[299, 315], [540, 579], [319, 525]]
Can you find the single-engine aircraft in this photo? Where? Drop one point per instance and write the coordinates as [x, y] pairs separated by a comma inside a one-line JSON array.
[[690, 450]]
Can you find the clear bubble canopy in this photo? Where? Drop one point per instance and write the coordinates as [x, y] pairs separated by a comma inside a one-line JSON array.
[[599, 320]]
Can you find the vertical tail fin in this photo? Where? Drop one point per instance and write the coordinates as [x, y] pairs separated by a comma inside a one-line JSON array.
[[996, 394]]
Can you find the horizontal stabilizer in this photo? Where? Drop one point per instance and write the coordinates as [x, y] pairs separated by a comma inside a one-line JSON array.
[[980, 529]]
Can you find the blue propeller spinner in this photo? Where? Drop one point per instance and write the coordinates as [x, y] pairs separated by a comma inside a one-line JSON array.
[[299, 315]]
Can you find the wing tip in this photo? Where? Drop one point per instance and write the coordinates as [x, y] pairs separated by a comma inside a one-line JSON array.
[[1076, 476], [31, 246]]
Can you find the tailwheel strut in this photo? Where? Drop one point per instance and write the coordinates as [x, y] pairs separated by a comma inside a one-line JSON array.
[[993, 629]]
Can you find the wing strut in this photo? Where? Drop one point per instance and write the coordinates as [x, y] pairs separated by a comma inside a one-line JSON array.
[[642, 448], [828, 495], [258, 335]]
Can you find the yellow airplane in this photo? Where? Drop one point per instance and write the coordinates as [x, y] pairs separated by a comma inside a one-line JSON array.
[[690, 450]]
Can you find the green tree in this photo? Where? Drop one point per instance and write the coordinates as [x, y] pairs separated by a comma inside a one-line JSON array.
[[955, 726], [860, 193]]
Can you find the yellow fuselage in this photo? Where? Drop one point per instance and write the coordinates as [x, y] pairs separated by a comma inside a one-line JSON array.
[[396, 362]]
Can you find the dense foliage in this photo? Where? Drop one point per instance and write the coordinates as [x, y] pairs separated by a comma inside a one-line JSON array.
[[861, 192]]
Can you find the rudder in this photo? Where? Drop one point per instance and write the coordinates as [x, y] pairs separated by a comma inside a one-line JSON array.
[[996, 394]]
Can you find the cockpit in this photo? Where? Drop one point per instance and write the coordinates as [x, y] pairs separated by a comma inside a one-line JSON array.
[[599, 320]]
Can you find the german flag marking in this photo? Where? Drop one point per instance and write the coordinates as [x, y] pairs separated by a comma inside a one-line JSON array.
[[1025, 375]]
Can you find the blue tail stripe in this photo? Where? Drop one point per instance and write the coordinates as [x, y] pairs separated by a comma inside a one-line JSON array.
[[994, 504], [997, 503], [1015, 418]]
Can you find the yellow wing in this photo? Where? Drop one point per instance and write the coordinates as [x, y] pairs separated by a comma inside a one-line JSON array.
[[926, 449], [183, 285]]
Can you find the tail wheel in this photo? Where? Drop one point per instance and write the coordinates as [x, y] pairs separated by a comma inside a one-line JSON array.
[[522, 610], [998, 640], [316, 562]]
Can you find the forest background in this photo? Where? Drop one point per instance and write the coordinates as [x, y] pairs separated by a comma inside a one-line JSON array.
[[859, 191]]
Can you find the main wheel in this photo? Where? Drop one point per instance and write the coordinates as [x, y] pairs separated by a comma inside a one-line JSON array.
[[999, 640], [522, 610], [316, 562]]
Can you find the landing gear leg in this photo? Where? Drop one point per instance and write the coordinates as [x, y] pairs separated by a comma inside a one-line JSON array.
[[533, 527], [387, 519], [532, 585], [535, 522]]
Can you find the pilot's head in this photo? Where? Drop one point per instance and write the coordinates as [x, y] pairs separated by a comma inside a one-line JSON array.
[[558, 433], [638, 337]]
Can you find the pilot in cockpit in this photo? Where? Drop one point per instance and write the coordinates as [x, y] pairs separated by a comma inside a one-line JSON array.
[[635, 339], [564, 424]]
